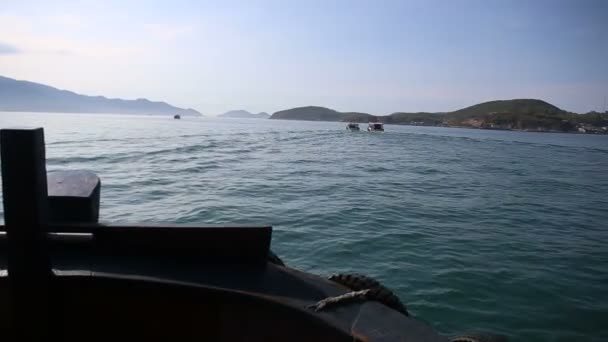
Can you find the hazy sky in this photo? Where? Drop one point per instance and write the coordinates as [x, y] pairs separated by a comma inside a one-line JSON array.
[[373, 56]]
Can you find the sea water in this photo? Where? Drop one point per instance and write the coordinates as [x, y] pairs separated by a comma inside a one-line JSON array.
[[497, 231]]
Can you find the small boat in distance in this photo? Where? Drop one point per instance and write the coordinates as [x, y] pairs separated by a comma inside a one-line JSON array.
[[177, 116], [353, 126], [375, 127]]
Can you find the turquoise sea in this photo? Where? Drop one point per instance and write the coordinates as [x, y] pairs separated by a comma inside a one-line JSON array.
[[496, 231]]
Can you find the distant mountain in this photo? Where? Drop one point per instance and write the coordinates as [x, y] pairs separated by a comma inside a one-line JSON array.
[[24, 96], [520, 114], [313, 113], [244, 114]]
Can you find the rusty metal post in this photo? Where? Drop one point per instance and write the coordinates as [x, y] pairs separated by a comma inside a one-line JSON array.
[[24, 187]]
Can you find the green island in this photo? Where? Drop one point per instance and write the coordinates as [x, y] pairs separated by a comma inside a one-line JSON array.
[[519, 114]]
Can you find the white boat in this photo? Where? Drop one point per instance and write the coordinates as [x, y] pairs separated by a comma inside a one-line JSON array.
[[375, 127]]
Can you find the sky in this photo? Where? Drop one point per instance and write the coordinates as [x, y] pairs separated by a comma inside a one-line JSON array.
[[371, 56]]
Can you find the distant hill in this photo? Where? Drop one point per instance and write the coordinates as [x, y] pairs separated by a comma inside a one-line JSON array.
[[313, 113], [24, 96], [520, 114], [518, 106], [244, 114], [420, 118], [528, 114]]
